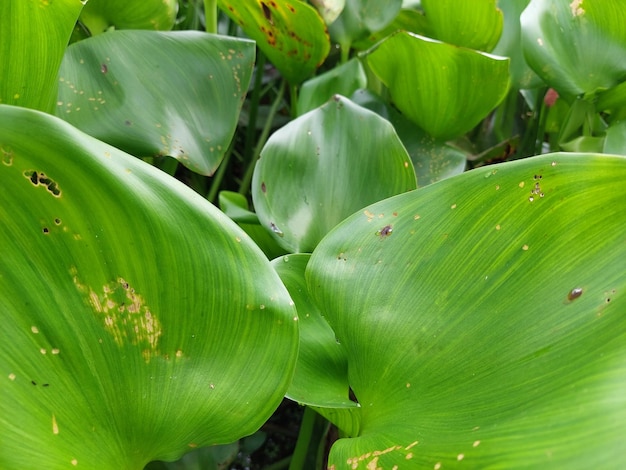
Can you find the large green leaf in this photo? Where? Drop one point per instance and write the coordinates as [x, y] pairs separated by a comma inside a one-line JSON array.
[[322, 167], [486, 328], [158, 93], [291, 34], [476, 24], [139, 321], [33, 38], [101, 15], [576, 47], [444, 89]]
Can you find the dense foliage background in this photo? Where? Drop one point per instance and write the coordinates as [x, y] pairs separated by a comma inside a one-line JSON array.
[[336, 233]]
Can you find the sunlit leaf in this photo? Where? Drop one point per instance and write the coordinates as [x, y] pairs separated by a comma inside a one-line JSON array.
[[476, 24], [322, 167], [486, 329], [158, 93], [444, 89], [100, 15], [33, 38], [291, 34], [140, 322], [577, 47]]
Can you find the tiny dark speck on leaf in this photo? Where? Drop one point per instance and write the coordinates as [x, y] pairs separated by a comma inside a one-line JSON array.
[[574, 293], [263, 187], [104, 68], [33, 382]]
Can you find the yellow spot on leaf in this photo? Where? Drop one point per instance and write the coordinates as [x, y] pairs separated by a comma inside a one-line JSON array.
[[521, 185], [576, 8], [525, 247], [55, 426], [11, 376], [74, 462], [34, 329], [125, 315]]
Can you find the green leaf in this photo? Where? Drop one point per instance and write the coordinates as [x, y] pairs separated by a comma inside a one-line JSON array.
[[321, 375], [158, 93], [475, 24], [100, 15], [360, 18], [412, 21], [140, 322], [344, 79], [510, 45], [576, 47], [433, 160], [448, 91], [235, 206], [322, 167], [33, 38], [615, 141], [486, 329], [291, 34]]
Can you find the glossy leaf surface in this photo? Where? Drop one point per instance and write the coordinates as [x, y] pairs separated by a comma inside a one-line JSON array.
[[576, 47], [444, 89], [485, 330], [475, 24], [100, 15], [158, 93], [322, 167], [291, 34], [134, 312], [33, 38]]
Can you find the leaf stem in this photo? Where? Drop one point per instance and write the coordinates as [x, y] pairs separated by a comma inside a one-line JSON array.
[[244, 187], [210, 16]]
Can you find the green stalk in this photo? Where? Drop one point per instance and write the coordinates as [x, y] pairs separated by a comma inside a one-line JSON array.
[[255, 97], [219, 175], [247, 178], [293, 96], [210, 16], [311, 439]]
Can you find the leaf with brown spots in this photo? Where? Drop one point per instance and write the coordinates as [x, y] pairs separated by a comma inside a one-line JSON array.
[[290, 33]]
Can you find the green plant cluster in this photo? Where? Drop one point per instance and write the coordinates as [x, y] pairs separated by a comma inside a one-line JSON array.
[[405, 216]]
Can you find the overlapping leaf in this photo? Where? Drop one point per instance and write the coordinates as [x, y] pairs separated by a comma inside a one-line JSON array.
[[576, 47], [476, 24], [322, 167], [33, 38], [444, 89], [484, 327], [100, 15], [158, 93], [139, 321], [291, 34]]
